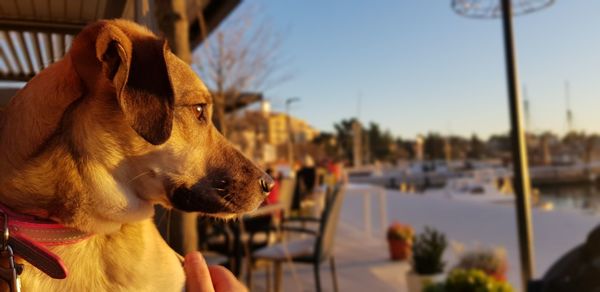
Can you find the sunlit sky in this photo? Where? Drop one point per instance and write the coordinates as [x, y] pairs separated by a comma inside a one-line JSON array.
[[418, 67]]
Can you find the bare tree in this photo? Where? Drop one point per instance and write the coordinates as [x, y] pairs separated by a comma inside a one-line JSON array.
[[244, 54]]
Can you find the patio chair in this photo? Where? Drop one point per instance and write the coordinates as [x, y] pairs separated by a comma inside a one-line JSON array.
[[266, 219], [235, 238], [315, 249], [216, 238]]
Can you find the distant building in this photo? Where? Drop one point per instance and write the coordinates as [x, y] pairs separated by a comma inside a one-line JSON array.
[[277, 128], [263, 135], [418, 149]]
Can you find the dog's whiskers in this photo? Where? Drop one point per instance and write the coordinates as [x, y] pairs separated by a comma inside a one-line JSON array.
[[219, 183], [228, 203], [139, 175], [226, 197]]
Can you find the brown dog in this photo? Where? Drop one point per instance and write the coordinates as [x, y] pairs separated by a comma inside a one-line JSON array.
[[98, 138]]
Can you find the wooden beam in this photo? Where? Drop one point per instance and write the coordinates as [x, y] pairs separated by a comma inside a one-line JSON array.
[[114, 9], [40, 26], [214, 13], [18, 77], [172, 21]]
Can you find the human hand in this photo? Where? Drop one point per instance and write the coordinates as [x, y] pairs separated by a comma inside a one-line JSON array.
[[202, 278]]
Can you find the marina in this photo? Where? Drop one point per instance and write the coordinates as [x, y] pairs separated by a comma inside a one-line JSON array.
[[363, 261]]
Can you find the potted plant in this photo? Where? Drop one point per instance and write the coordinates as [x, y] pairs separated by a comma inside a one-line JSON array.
[[428, 266], [400, 238], [490, 261], [469, 280]]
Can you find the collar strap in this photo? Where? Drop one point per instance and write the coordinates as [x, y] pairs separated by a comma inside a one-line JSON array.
[[30, 236]]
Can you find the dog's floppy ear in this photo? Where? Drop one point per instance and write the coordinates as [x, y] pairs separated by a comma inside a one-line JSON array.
[[137, 68]]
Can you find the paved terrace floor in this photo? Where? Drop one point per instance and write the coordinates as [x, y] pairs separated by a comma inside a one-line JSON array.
[[362, 260]]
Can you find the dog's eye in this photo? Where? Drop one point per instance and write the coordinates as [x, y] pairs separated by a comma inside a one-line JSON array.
[[199, 111]]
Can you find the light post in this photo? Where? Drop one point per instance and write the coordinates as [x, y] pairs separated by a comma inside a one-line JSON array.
[[519, 151], [290, 143], [506, 9]]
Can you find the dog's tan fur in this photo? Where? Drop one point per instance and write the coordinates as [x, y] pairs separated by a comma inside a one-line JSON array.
[[98, 138]]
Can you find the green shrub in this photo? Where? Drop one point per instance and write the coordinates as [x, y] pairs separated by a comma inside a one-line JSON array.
[[428, 249], [491, 261], [472, 280]]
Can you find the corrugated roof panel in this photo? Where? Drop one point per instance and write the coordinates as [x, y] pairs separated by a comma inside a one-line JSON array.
[[3, 66], [88, 11], [100, 10], [129, 9], [73, 10], [44, 29], [25, 8], [19, 46], [57, 46], [9, 8], [33, 51], [68, 42], [42, 11], [8, 53], [57, 9], [45, 48]]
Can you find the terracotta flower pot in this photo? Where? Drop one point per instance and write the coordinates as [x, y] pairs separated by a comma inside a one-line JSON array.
[[400, 250]]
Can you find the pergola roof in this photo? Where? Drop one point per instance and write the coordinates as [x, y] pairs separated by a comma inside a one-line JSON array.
[[36, 33], [234, 102]]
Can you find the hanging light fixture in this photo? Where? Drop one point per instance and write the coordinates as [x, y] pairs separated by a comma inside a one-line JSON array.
[[493, 9]]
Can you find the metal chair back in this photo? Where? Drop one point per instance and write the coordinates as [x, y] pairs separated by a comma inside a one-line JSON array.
[[286, 192], [329, 221]]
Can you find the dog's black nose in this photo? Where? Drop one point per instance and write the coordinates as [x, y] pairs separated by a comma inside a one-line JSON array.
[[266, 184]]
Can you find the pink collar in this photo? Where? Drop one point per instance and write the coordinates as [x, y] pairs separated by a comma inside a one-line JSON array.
[[29, 237]]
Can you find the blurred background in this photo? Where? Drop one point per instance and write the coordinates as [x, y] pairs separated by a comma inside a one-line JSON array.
[[402, 107]]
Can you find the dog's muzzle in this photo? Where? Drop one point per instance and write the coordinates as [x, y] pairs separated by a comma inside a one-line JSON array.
[[221, 196]]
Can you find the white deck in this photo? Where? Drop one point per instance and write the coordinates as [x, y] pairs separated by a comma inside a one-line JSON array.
[[362, 260]]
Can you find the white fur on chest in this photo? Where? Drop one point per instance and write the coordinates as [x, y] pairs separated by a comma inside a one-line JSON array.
[[133, 259]]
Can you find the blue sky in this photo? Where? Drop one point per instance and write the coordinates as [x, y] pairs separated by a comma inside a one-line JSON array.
[[419, 67]]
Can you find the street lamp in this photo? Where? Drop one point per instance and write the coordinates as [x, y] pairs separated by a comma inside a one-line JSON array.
[[493, 8], [506, 9], [290, 143]]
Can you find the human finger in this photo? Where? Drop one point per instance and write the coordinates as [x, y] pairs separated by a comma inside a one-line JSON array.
[[198, 276], [224, 281]]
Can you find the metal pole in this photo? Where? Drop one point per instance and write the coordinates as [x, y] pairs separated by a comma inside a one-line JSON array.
[[519, 151], [290, 144]]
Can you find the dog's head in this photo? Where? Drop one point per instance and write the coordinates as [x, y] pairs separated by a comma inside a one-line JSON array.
[[135, 122]]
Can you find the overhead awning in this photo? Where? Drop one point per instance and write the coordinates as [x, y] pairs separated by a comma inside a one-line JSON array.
[[36, 33], [238, 101]]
